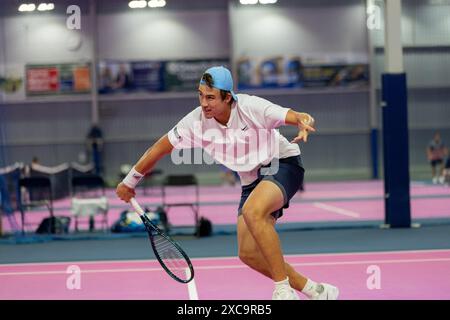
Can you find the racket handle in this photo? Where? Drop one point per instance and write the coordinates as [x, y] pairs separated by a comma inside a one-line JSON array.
[[136, 206]]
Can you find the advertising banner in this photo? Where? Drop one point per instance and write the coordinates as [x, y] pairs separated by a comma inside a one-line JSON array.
[[121, 76], [184, 75], [291, 72], [153, 76], [70, 78], [354, 75]]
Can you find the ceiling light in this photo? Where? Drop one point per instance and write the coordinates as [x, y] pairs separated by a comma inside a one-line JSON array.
[[27, 7], [248, 1], [137, 4], [157, 3], [46, 7]]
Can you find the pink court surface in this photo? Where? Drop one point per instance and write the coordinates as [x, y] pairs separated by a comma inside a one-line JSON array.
[[410, 275], [321, 202]]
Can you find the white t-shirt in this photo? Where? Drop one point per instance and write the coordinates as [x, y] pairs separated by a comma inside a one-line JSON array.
[[249, 139]]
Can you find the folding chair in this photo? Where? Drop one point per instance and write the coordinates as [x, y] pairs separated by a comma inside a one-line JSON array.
[[89, 200], [185, 181], [77, 170], [35, 192]]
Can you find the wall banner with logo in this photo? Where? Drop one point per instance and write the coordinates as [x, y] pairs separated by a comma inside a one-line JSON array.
[[56, 79], [184, 75], [292, 72]]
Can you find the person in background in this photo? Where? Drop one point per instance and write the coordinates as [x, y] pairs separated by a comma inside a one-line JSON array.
[[95, 147], [436, 154]]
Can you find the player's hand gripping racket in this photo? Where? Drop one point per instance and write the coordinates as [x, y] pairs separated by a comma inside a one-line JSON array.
[[169, 254]]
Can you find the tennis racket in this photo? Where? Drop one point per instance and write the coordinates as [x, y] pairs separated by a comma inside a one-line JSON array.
[[169, 254]]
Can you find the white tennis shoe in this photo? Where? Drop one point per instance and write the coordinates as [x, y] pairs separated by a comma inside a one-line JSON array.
[[326, 291], [285, 293]]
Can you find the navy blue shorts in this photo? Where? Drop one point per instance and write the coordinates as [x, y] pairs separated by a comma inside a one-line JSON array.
[[434, 163], [289, 179]]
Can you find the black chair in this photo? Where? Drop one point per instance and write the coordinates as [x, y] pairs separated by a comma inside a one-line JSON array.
[[35, 192], [89, 199], [182, 181], [77, 170], [58, 179]]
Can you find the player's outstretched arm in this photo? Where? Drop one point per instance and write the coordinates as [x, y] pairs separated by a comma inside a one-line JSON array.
[[303, 121], [125, 189]]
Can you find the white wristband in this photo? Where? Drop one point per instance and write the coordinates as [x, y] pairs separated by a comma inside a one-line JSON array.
[[132, 179]]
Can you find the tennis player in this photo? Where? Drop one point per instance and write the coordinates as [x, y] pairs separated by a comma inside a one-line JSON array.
[[239, 131]]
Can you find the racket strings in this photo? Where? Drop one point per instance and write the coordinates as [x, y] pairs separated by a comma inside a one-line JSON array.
[[172, 257]]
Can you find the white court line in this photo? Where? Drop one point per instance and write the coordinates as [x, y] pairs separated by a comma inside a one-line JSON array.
[[192, 288], [26, 273], [326, 254], [336, 210], [303, 264]]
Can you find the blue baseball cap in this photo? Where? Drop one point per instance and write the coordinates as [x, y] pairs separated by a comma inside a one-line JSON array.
[[222, 79]]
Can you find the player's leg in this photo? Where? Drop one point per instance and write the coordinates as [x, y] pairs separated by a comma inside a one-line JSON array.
[[433, 171], [256, 211], [441, 171], [254, 252], [250, 254]]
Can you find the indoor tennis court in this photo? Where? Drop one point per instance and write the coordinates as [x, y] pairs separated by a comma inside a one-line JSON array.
[[91, 92], [133, 279]]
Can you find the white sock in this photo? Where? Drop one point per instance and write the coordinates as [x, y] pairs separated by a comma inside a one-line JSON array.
[[310, 288], [282, 283]]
